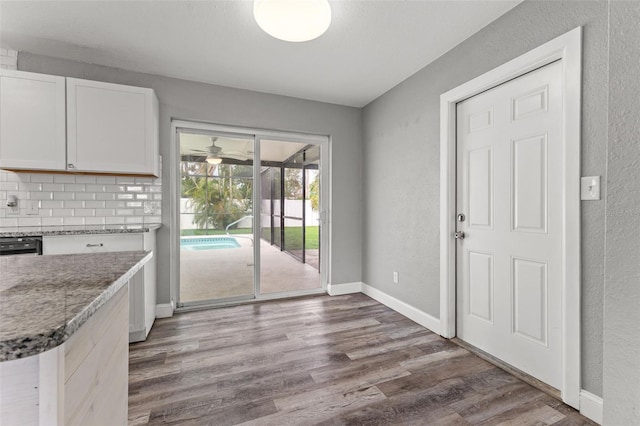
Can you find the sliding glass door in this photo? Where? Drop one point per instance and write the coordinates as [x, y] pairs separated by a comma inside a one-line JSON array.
[[290, 219], [216, 218], [243, 238]]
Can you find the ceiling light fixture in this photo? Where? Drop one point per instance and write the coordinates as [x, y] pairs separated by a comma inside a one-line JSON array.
[[212, 159], [293, 20]]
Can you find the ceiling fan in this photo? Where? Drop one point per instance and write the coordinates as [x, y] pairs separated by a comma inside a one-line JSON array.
[[215, 154]]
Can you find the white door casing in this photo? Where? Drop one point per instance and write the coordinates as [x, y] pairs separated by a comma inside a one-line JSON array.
[[567, 49], [508, 186]]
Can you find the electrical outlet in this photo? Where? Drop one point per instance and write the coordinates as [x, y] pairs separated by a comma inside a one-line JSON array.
[[12, 206], [33, 207], [395, 277]]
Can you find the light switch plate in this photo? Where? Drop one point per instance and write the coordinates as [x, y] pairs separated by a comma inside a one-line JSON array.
[[590, 188]]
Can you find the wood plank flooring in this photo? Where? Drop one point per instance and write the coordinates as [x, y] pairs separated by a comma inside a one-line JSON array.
[[345, 360]]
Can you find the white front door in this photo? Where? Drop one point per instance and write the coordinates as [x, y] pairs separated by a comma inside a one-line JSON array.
[[509, 189]]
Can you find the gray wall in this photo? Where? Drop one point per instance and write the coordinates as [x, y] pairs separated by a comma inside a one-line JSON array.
[[402, 161], [186, 100], [622, 259]]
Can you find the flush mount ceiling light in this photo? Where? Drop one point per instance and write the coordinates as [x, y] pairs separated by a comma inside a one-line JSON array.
[[293, 20], [212, 159]]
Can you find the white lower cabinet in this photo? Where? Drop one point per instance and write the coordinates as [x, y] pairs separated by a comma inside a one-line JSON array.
[[142, 287]]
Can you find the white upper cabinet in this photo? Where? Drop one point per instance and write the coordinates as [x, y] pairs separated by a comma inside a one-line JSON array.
[[111, 128], [32, 127], [90, 126]]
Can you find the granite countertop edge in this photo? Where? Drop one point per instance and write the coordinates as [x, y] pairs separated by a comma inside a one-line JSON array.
[[42, 342], [74, 230]]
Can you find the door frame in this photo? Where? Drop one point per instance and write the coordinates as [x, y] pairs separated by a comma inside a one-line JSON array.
[[324, 141], [567, 48]]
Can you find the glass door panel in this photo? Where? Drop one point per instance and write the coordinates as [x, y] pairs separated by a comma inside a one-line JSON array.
[[290, 217], [216, 218]]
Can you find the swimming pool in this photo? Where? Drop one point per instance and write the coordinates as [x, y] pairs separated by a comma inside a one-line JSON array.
[[208, 243]]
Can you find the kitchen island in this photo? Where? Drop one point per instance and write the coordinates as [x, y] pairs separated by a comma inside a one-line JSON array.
[[64, 337]]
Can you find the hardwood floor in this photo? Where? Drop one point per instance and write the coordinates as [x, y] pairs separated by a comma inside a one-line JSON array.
[[345, 360]]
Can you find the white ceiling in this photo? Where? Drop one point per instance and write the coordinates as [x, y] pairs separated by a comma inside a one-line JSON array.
[[370, 46]]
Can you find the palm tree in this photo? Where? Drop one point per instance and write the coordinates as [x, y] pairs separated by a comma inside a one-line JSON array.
[[217, 200]]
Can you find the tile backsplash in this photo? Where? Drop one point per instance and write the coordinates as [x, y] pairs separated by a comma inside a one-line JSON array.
[[73, 199]]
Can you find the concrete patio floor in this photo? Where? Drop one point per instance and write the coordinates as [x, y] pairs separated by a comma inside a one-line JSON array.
[[222, 273]]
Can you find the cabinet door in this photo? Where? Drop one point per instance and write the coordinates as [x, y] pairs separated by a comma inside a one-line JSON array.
[[111, 128], [32, 121]]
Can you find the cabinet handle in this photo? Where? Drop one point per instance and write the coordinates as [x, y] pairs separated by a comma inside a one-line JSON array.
[[95, 245], [70, 166]]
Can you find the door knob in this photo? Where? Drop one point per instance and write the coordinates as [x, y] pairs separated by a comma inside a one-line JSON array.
[[459, 235]]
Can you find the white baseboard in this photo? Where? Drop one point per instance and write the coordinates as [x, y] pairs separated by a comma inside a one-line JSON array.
[[164, 310], [591, 406], [344, 288], [414, 314]]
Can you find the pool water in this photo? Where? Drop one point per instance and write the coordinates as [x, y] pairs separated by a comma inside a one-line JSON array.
[[208, 243]]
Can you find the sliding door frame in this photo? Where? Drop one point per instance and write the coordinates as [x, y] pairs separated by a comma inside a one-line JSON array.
[[323, 141]]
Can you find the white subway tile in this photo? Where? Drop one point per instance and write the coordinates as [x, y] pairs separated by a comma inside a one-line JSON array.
[[41, 177], [19, 177], [85, 179], [124, 196], [138, 212], [114, 220], [115, 188], [157, 196], [62, 212], [134, 204], [51, 221], [94, 221], [29, 221], [106, 179], [42, 195], [64, 178], [44, 213], [9, 222], [84, 212], [143, 196], [29, 187], [3, 196], [53, 187], [95, 188], [86, 195], [63, 196], [115, 204], [134, 188], [124, 212], [125, 179], [73, 221], [18, 195], [154, 188], [105, 212], [133, 219], [94, 204], [144, 180], [73, 204], [9, 186], [106, 196], [152, 219], [74, 187], [48, 204]]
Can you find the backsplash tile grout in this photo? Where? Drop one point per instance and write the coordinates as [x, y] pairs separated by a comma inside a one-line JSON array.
[[68, 199]]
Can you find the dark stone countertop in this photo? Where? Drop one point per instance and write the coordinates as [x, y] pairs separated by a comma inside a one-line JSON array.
[[45, 299], [34, 231]]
